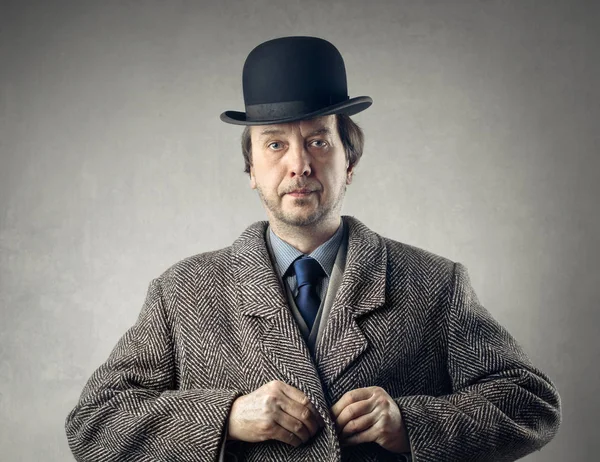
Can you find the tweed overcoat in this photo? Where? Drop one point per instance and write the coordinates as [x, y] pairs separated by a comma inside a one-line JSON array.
[[216, 326]]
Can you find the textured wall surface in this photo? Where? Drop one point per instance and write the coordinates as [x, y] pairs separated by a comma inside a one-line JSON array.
[[482, 146]]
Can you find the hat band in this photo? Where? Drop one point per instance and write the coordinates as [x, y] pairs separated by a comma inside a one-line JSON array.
[[274, 111]]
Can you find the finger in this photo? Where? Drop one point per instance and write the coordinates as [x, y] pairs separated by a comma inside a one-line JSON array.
[[299, 413], [367, 436], [354, 411], [302, 399], [286, 436], [290, 430], [348, 398], [359, 424]]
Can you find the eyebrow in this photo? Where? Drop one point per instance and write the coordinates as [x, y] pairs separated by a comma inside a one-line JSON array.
[[278, 131], [271, 131], [320, 131]]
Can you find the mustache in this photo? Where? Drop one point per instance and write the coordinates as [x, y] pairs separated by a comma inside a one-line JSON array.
[[306, 186]]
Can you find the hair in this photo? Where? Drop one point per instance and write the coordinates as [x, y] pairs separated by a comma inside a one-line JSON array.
[[352, 136]]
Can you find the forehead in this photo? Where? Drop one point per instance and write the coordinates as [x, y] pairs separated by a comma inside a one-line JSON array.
[[305, 127]]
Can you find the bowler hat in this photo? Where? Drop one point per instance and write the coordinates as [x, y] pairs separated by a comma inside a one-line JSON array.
[[294, 78]]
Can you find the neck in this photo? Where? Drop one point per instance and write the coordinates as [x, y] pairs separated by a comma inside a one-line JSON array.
[[307, 238]]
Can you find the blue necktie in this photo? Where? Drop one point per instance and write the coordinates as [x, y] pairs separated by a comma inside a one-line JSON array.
[[308, 274]]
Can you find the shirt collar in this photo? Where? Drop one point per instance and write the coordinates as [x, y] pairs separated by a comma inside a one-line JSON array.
[[285, 254]]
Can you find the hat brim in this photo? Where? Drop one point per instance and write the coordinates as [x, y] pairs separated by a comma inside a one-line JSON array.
[[349, 107]]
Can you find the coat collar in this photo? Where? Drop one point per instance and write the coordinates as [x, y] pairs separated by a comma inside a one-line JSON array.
[[363, 284], [362, 290]]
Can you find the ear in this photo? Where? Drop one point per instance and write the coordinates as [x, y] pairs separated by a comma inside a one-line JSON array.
[[252, 178], [349, 172]]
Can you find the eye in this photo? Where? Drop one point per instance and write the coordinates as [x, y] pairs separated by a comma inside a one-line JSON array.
[[275, 145], [319, 143]]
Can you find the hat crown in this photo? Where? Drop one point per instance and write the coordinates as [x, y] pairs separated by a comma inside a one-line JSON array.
[[294, 78], [289, 69]]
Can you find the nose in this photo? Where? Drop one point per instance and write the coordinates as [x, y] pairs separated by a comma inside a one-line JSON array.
[[299, 159]]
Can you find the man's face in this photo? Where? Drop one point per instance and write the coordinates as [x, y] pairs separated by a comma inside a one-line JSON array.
[[306, 154]]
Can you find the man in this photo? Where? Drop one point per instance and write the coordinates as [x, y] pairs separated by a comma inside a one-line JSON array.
[[311, 338]]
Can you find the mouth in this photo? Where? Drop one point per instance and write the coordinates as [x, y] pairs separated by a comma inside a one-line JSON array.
[[300, 193]]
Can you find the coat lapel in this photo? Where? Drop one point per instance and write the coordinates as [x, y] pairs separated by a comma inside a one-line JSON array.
[[362, 291], [343, 341], [261, 296]]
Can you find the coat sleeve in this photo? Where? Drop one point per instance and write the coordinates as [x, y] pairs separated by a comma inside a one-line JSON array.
[[501, 408], [129, 409]]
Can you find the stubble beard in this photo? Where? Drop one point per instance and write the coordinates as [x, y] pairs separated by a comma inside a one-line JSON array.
[[300, 218]]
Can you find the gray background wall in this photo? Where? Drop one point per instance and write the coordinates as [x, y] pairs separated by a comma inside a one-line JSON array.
[[482, 146]]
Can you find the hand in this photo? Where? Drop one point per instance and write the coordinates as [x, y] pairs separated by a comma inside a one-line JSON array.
[[370, 415], [274, 411]]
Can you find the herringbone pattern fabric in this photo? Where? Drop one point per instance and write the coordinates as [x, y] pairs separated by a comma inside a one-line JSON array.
[[216, 325]]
